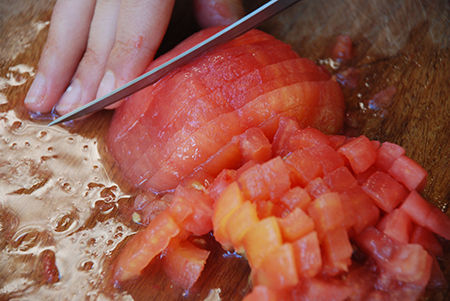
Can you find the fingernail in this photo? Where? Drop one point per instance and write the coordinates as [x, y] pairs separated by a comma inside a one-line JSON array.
[[70, 100], [107, 84], [37, 90]]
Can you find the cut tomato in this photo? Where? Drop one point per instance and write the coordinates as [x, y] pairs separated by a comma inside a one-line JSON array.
[[341, 179], [144, 246], [262, 293], [254, 146], [277, 270], [327, 213], [328, 157], [287, 126], [304, 167], [386, 193], [427, 240], [225, 178], [261, 240], [337, 251], [295, 225], [184, 264], [397, 225], [409, 173], [239, 222], [308, 257], [296, 197], [360, 153], [426, 215], [387, 154], [317, 187]]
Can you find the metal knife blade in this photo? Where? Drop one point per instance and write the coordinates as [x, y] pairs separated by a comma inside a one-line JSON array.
[[232, 31]]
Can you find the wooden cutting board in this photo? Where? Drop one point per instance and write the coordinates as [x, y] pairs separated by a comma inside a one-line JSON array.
[[62, 195]]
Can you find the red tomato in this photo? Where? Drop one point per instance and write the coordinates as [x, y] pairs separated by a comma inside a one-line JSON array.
[[286, 127], [144, 246], [225, 178], [295, 225], [360, 153], [296, 197], [239, 222], [254, 146], [387, 154], [341, 179], [337, 251], [262, 293], [277, 270], [261, 240], [427, 240], [180, 123], [386, 193], [304, 167], [409, 173], [426, 215], [184, 264], [317, 187], [308, 257], [397, 225], [327, 213]]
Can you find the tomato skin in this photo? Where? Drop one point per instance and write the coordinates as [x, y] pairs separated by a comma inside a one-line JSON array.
[[144, 246], [184, 263], [409, 173], [386, 193]]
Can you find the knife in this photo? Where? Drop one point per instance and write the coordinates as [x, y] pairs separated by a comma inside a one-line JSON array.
[[232, 31]]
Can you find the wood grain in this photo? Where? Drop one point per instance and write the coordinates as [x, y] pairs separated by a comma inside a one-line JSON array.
[[403, 44]]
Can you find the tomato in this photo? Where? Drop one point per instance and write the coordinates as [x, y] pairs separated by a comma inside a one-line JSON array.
[[254, 146], [308, 257], [261, 240], [386, 193], [322, 289], [360, 153], [262, 293], [328, 157], [144, 246], [337, 251], [307, 137], [277, 270], [426, 215], [342, 49], [317, 187], [239, 222], [286, 127], [296, 197], [295, 225], [229, 201], [387, 154], [304, 167], [340, 179], [427, 240], [184, 263], [397, 225], [405, 262], [327, 213], [185, 121], [225, 178], [409, 173], [266, 181]]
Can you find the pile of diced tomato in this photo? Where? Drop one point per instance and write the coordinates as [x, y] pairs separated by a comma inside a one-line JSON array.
[[319, 217]]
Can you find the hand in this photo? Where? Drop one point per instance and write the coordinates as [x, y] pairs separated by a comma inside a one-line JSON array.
[[94, 47]]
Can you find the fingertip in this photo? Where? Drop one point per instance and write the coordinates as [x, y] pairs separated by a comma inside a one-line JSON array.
[[35, 99], [71, 98]]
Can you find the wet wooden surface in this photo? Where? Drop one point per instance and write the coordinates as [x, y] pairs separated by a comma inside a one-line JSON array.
[[61, 192]]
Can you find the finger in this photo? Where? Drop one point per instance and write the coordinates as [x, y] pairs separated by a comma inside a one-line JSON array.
[[66, 42], [218, 12], [85, 82], [140, 30]]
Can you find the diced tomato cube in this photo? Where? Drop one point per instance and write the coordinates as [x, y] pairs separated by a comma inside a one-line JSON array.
[[322, 289], [307, 137], [337, 251], [225, 178], [387, 154], [277, 270], [239, 222], [365, 212], [199, 221], [317, 187], [262, 293], [287, 127], [386, 192], [340, 179], [426, 215], [397, 225], [295, 225], [184, 264], [308, 257], [328, 157], [261, 240], [254, 146], [144, 246], [409, 173], [337, 140], [264, 209], [296, 197], [269, 180], [405, 262], [360, 153], [304, 167], [364, 176], [228, 202], [327, 213], [376, 144], [362, 280], [427, 240]]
